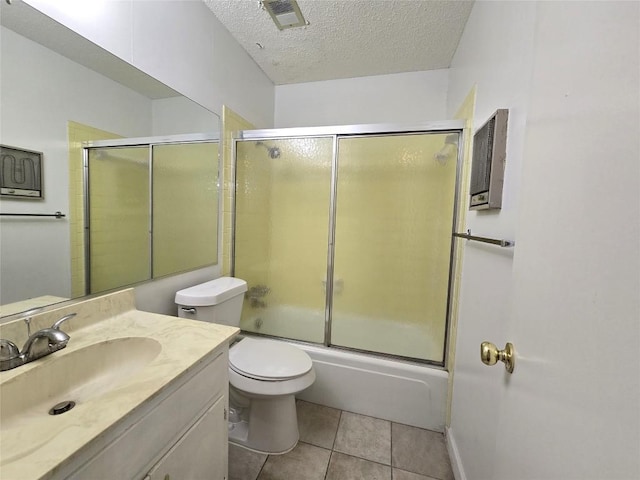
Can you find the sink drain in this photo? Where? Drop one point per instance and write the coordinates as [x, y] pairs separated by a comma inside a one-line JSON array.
[[62, 407]]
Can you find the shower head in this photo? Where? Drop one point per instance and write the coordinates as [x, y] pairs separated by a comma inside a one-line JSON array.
[[274, 152], [451, 139], [448, 150]]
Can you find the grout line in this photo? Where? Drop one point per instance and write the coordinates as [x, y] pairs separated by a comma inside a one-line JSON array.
[[372, 461], [391, 447], [335, 437], [262, 467], [326, 472]]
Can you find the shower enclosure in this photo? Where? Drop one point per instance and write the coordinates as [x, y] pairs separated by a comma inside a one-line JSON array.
[[344, 235], [151, 208]]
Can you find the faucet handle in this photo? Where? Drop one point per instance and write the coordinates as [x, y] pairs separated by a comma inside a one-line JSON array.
[[26, 316], [8, 350], [56, 326]]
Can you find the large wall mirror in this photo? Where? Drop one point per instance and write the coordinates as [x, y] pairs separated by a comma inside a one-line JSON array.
[[61, 93]]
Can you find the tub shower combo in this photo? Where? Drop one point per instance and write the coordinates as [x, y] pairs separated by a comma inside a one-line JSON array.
[[344, 236]]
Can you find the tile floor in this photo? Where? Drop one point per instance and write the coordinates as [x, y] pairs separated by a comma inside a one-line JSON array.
[[339, 445]]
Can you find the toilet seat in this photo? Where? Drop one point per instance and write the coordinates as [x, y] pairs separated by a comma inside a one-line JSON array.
[[268, 361], [268, 368], [260, 388]]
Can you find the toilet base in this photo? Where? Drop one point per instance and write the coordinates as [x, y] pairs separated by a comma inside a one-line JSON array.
[[268, 425]]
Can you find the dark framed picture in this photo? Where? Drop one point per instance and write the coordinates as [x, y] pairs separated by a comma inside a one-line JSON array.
[[20, 173]]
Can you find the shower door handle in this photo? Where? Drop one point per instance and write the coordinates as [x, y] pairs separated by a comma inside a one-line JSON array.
[[338, 286]]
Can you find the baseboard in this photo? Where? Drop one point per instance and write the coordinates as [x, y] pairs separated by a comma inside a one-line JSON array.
[[454, 455]]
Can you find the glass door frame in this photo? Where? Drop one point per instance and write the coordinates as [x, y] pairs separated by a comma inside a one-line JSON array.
[[149, 143], [351, 131]]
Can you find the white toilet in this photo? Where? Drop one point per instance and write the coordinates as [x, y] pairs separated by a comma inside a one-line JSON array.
[[264, 375]]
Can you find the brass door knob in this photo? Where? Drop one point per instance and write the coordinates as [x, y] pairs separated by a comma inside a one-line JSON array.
[[490, 355]]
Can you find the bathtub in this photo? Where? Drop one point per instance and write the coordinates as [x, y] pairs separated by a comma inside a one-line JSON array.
[[395, 390]]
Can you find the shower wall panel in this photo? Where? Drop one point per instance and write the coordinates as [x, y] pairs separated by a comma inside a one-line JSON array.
[[79, 133]]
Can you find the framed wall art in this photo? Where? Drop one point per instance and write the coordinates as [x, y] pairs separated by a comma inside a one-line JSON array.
[[20, 173]]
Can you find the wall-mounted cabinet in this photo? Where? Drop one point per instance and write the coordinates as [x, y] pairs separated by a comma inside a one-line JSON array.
[[488, 164]]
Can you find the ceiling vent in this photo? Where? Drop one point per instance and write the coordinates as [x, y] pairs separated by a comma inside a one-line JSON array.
[[285, 13]]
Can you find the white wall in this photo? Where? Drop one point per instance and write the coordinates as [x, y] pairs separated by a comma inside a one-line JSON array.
[[495, 54], [179, 115], [567, 297], [158, 295], [42, 91], [412, 97], [179, 42], [182, 44]]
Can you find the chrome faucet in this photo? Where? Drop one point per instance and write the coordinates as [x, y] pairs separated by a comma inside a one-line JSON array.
[[41, 343]]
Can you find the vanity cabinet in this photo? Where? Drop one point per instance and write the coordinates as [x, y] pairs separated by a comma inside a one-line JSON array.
[[179, 434], [200, 453]]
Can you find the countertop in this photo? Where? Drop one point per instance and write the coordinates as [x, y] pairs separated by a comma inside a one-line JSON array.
[[184, 344], [24, 305]]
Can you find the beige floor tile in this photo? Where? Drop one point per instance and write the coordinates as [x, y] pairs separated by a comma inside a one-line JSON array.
[[420, 451], [364, 437], [244, 464], [346, 467], [317, 424], [404, 475], [305, 462]]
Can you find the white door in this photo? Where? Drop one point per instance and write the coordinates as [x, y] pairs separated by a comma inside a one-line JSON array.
[[571, 408]]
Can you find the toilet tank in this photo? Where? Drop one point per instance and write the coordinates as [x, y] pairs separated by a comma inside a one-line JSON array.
[[216, 301]]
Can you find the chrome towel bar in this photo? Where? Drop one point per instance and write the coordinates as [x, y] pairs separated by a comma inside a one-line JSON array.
[[492, 241]]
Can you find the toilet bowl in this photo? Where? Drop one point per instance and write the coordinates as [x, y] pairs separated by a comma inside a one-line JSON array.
[[264, 375]]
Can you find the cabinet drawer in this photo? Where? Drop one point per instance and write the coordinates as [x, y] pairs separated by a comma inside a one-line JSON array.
[[131, 453]]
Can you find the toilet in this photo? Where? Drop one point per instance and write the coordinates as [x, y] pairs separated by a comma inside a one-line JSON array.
[[264, 375]]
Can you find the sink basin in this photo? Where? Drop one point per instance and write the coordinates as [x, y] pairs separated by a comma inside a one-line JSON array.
[[81, 376]]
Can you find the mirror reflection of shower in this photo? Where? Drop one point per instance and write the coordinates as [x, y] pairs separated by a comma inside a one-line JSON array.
[[449, 150], [274, 152]]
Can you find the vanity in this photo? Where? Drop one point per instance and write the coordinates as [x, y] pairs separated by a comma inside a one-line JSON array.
[[150, 394]]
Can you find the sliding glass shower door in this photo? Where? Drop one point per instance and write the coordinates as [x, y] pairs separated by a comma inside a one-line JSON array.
[[346, 239], [119, 214], [281, 229], [393, 223], [151, 209], [185, 204]]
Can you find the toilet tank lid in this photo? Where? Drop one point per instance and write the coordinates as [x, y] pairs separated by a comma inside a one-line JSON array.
[[212, 292]]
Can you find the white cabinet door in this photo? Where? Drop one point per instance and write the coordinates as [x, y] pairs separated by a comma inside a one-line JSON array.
[[201, 453]]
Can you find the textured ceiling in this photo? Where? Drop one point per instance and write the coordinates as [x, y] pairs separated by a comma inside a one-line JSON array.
[[348, 38]]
